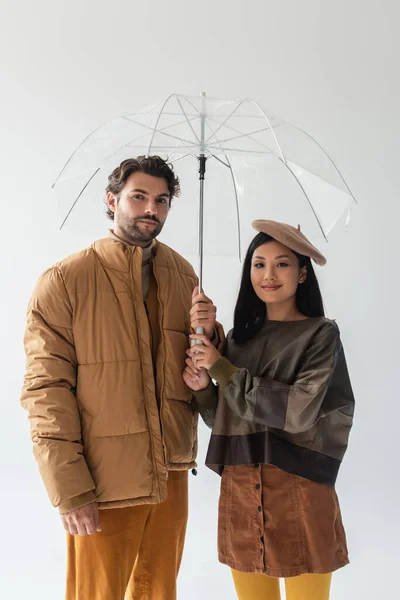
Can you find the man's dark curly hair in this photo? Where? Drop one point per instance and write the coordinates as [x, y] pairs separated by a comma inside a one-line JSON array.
[[151, 165]]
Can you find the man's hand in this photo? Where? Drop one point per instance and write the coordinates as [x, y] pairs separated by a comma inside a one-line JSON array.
[[195, 379], [203, 313], [82, 521]]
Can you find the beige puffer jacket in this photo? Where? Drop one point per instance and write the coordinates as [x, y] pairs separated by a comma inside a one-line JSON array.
[[97, 430]]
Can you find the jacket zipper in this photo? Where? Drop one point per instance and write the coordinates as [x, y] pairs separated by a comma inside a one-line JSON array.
[[160, 315], [147, 414], [155, 383]]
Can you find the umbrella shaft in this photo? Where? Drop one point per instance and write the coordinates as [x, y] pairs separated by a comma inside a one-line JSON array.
[[201, 233], [202, 172]]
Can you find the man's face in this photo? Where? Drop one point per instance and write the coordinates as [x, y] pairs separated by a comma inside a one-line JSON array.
[[141, 209]]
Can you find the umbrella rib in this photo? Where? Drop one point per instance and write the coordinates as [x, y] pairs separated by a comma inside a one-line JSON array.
[[76, 150], [248, 135], [223, 122], [235, 150], [168, 114], [270, 126], [175, 137], [95, 173], [159, 148], [273, 132], [192, 105], [305, 168], [93, 176], [194, 118], [219, 160], [157, 121], [237, 131], [77, 198], [136, 122], [129, 145], [181, 157], [236, 197], [98, 128], [329, 158], [307, 198], [237, 208], [183, 139], [188, 121], [222, 103], [325, 179], [210, 149], [238, 116], [89, 135]]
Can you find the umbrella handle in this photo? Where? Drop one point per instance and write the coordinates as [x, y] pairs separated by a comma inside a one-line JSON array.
[[200, 331]]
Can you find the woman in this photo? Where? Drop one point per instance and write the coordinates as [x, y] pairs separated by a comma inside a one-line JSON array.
[[280, 414]]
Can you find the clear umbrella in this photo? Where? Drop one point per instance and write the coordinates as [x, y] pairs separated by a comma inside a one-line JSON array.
[[256, 165]]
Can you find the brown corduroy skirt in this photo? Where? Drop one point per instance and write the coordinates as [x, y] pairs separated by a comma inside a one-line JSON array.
[[279, 524]]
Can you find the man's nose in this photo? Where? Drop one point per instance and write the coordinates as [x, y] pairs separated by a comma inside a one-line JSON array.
[[151, 208]]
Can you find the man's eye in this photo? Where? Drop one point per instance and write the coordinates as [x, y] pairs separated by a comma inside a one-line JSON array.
[[138, 197], [162, 200]]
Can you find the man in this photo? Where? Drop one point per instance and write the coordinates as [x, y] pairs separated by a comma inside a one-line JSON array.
[[112, 422]]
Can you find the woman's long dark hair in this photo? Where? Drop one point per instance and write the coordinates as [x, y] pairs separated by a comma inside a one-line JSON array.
[[251, 312]]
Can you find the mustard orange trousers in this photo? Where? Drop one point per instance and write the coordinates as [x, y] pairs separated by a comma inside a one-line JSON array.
[[137, 554]]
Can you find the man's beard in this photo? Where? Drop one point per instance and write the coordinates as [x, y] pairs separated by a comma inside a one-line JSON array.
[[132, 232]]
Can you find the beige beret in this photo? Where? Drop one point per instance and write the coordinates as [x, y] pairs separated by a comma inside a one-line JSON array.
[[291, 237]]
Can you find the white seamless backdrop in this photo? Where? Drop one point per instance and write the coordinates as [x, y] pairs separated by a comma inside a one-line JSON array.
[[331, 68]]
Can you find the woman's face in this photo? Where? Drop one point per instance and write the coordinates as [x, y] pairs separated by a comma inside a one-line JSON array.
[[275, 273]]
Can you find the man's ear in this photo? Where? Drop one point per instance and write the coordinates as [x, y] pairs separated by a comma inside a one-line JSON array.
[[112, 201]]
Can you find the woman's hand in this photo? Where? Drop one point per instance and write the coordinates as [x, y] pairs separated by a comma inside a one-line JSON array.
[[204, 356], [195, 379]]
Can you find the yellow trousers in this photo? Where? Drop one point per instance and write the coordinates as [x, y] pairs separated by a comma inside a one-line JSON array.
[[252, 586], [137, 554]]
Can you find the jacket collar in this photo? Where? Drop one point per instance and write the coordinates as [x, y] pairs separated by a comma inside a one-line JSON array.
[[115, 254], [147, 251]]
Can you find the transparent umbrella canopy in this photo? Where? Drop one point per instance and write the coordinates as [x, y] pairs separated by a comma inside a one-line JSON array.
[[236, 161]]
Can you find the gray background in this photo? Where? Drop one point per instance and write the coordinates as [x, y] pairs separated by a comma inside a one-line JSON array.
[[331, 68]]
